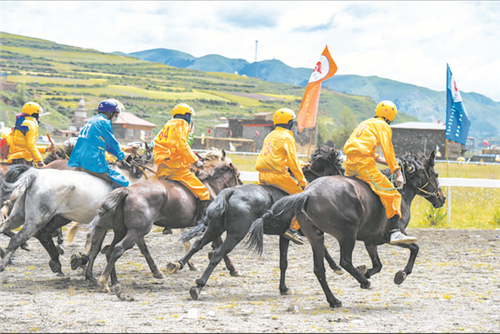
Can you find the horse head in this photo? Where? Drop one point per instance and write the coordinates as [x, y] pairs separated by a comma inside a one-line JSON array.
[[324, 161], [220, 174], [420, 174]]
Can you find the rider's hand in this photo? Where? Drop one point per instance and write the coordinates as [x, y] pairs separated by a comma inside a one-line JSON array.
[[132, 149], [307, 166], [40, 164], [198, 164], [399, 178]]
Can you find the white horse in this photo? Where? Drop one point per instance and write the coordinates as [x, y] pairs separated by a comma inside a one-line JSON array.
[[42, 200]]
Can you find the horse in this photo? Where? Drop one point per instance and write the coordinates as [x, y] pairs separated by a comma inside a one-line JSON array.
[[347, 208], [43, 200], [147, 160], [234, 210], [132, 211]]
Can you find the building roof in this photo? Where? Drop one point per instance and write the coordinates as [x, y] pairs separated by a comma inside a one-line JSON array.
[[128, 118], [420, 126]]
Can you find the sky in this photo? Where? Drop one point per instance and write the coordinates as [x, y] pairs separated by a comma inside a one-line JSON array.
[[406, 41]]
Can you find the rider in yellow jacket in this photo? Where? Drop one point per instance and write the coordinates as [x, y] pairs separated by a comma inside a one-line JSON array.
[[174, 156], [22, 139], [361, 160], [278, 153]]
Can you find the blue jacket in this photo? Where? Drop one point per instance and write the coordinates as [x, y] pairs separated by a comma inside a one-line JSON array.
[[95, 138]]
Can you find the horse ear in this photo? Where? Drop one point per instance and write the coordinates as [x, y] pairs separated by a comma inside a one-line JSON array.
[[146, 146], [432, 159], [223, 154]]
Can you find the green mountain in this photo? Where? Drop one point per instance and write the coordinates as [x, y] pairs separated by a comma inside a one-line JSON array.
[[57, 76], [425, 104]]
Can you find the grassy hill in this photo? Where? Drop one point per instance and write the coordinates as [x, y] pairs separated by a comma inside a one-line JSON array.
[[425, 104], [58, 75]]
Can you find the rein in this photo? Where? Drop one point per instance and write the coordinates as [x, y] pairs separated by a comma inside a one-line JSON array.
[[426, 193]]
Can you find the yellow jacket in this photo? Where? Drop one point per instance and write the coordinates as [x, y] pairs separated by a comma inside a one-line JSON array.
[[24, 146], [279, 151], [365, 139], [171, 145]]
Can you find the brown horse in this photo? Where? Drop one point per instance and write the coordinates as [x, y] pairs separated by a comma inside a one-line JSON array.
[[347, 208], [132, 211]]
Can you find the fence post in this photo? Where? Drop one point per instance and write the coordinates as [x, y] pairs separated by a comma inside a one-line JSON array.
[[449, 204]]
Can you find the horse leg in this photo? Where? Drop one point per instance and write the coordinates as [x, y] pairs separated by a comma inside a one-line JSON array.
[[229, 264], [331, 262], [45, 238], [60, 241], [346, 249], [401, 275], [226, 247], [192, 266], [81, 259], [145, 251], [284, 244], [97, 240], [376, 263], [24, 246], [317, 242], [114, 253], [209, 235]]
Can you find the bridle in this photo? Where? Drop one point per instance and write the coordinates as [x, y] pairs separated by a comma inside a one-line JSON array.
[[424, 192]]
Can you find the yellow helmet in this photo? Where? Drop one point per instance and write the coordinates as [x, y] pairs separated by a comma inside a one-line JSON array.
[[182, 109], [386, 109], [283, 116], [31, 108]]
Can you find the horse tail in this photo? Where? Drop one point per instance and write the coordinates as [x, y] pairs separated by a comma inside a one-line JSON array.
[[72, 232], [214, 211], [281, 213], [15, 183]]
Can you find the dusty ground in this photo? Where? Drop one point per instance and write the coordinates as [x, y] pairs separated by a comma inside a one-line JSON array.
[[454, 288]]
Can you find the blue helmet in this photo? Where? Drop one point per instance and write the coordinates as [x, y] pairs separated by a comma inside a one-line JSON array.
[[110, 105]]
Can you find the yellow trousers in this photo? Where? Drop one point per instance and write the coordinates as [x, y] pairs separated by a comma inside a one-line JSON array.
[[284, 182], [361, 167], [187, 178]]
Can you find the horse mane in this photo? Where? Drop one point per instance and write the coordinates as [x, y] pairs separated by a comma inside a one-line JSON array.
[[214, 169], [63, 152], [417, 161], [326, 156]]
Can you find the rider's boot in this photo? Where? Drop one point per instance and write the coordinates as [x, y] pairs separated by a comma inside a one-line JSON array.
[[397, 237], [292, 233]]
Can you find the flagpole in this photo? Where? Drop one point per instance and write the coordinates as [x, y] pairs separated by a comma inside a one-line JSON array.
[[310, 142], [447, 163]]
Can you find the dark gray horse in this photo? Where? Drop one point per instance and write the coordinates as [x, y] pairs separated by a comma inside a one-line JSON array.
[[349, 210], [234, 210]]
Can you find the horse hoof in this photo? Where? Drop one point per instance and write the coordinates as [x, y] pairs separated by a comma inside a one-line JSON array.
[[192, 266], [105, 249], [362, 269], [338, 271], [173, 267], [286, 292], [366, 286], [55, 266], [194, 292], [159, 275], [336, 303], [92, 281], [60, 249], [76, 261], [400, 277], [235, 273]]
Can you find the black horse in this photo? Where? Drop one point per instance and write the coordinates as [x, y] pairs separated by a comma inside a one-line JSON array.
[[349, 210], [234, 210]]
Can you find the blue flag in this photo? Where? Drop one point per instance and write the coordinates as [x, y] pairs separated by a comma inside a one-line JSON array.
[[457, 120]]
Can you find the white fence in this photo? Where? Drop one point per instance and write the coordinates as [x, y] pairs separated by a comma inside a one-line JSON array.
[[443, 181]]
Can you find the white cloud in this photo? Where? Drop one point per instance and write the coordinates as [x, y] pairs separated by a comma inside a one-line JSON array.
[[405, 41]]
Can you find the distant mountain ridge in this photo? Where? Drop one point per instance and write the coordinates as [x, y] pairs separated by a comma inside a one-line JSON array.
[[425, 104]]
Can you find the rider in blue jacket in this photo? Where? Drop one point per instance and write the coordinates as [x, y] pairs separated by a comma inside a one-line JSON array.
[[96, 138]]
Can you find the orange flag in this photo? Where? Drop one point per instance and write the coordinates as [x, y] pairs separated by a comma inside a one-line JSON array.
[[325, 68]]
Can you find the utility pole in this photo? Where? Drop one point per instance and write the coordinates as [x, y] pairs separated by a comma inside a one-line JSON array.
[[255, 63]]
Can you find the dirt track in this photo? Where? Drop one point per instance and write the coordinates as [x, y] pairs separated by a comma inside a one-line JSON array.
[[454, 288]]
